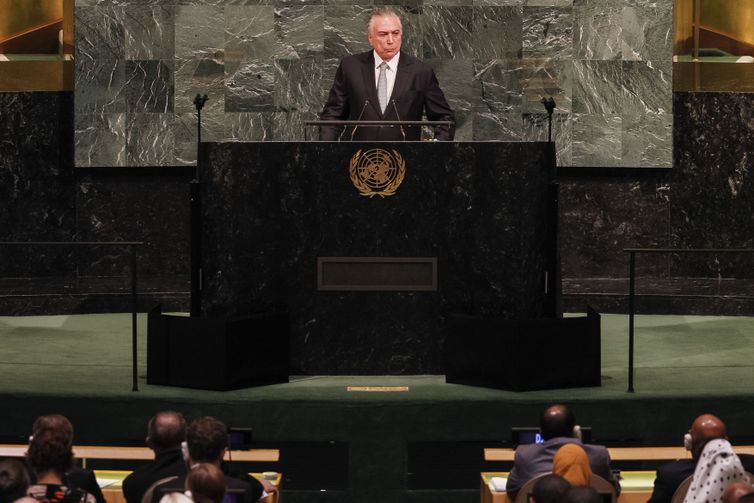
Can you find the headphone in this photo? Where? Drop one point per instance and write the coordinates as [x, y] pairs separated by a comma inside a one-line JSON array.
[[687, 441], [185, 451], [577, 432]]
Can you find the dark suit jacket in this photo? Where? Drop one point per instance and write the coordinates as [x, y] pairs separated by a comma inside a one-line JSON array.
[[166, 464], [670, 475], [533, 460], [354, 97]]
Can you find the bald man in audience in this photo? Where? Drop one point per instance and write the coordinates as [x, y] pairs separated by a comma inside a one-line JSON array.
[[165, 432], [670, 475], [558, 427], [735, 491]]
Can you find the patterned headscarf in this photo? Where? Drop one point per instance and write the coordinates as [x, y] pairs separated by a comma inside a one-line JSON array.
[[572, 463], [717, 468]]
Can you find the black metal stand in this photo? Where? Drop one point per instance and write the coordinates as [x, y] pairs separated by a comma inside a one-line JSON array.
[[195, 224], [549, 104]]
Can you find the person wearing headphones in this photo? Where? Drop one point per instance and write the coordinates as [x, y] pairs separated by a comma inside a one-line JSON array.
[[558, 427], [704, 429]]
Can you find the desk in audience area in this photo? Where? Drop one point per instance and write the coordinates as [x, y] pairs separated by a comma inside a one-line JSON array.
[[636, 487], [111, 482]]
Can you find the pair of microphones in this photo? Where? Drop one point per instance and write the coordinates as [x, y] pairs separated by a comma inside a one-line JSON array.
[[361, 114]]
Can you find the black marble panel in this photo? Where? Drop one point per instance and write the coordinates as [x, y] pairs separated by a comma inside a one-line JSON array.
[[151, 209], [270, 209], [714, 163], [36, 182]]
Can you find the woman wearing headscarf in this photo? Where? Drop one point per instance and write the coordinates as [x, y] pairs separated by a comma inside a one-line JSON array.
[[572, 463], [717, 468]]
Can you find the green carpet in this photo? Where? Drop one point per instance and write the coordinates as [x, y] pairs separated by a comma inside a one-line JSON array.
[[674, 354], [81, 366]]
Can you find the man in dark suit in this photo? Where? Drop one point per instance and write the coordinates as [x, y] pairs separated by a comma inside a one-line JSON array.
[[165, 432], [206, 442], [558, 427], [670, 475], [385, 84]]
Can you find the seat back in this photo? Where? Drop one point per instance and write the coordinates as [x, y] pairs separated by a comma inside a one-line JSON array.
[[683, 488], [147, 498], [603, 487], [522, 496]]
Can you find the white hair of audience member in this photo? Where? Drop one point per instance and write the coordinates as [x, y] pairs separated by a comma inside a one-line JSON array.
[[717, 468]]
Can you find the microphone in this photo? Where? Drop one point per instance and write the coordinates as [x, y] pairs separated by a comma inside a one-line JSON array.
[[353, 131], [399, 118]]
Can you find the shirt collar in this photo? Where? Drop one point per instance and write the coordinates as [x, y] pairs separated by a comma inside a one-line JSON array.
[[393, 63]]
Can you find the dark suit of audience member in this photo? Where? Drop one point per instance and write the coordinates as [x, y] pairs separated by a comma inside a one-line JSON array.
[[356, 93], [206, 441], [165, 433], [532, 460], [670, 475]]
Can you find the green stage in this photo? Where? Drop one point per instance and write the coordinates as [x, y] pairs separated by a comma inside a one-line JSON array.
[[80, 366]]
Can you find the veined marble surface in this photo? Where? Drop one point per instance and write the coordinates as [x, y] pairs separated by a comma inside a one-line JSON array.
[[267, 66]]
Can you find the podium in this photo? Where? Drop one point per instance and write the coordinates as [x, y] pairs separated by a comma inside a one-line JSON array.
[[371, 246]]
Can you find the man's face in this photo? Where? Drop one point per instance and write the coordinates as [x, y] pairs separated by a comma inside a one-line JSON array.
[[385, 36]]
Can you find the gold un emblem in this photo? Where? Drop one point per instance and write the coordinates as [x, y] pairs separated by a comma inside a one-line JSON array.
[[377, 172]]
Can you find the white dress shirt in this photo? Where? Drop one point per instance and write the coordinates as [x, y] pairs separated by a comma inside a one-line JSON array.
[[390, 71]]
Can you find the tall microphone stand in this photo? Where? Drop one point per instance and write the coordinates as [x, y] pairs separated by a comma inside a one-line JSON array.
[[195, 224], [549, 104]]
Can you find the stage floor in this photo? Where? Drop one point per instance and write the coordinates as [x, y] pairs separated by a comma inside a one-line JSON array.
[[80, 366]]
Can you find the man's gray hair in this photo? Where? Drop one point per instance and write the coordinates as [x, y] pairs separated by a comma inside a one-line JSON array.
[[382, 12]]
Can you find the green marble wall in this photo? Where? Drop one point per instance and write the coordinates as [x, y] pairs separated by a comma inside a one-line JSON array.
[[267, 66]]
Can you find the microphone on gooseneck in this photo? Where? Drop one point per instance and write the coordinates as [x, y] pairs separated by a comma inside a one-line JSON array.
[[399, 118], [353, 131]]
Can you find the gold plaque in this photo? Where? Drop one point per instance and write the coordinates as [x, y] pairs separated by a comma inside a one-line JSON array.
[[377, 388], [377, 172]]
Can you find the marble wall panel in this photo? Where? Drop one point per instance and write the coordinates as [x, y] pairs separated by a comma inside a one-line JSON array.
[[300, 30], [253, 126], [597, 140], [150, 139], [99, 86], [496, 126], [547, 78], [646, 140], [149, 86], [648, 86], [299, 84], [647, 33], [250, 33], [149, 32], [497, 32], [597, 32], [446, 32], [100, 139], [250, 86], [548, 32], [598, 87], [497, 86], [262, 61], [345, 30], [99, 32]]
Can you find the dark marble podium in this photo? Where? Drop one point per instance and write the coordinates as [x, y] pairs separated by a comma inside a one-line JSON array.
[[270, 210]]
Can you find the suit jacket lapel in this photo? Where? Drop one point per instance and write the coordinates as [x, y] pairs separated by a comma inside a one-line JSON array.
[[369, 84]]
